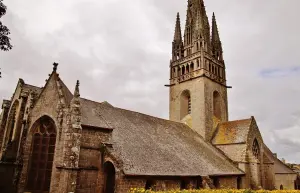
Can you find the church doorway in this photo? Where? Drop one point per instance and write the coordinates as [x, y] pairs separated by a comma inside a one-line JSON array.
[[109, 177], [42, 155]]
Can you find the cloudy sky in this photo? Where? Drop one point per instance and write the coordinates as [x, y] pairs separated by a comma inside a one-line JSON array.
[[120, 51]]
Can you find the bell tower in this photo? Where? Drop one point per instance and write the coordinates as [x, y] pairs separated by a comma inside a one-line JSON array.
[[198, 90]]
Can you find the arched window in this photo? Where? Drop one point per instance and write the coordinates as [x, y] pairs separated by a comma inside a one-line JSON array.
[[43, 147], [239, 182], [197, 46], [216, 182], [187, 68], [174, 72], [12, 122], [178, 71], [185, 103], [12, 134], [198, 64], [255, 149], [149, 184], [199, 184], [183, 185], [182, 70], [109, 177], [217, 104]]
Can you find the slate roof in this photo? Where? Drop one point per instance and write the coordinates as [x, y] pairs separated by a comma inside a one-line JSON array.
[[279, 166], [152, 146], [232, 132]]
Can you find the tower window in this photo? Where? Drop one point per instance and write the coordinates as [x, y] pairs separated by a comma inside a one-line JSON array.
[[185, 104], [217, 104], [189, 105]]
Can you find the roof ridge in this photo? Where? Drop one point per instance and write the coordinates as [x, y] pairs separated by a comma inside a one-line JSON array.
[[150, 116]]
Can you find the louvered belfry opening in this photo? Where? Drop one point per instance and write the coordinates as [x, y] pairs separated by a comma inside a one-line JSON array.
[[42, 155]]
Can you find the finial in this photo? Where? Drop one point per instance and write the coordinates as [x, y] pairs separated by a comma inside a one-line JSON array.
[[76, 92], [55, 66]]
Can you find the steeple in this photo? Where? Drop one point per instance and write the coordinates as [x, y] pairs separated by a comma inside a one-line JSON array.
[[177, 47], [217, 50], [198, 89]]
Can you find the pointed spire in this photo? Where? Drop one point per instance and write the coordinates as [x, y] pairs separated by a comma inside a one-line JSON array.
[[177, 34], [76, 92], [197, 24], [215, 31]]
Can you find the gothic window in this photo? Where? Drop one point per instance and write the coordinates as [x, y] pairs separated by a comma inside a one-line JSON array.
[[185, 104], [281, 187], [197, 46], [187, 68], [178, 71], [198, 64], [217, 105], [183, 70], [255, 149], [43, 146]]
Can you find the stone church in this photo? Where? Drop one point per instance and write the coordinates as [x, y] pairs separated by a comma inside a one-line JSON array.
[[52, 140]]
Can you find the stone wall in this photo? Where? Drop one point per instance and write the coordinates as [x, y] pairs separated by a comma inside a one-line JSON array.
[[286, 180], [269, 177], [228, 182]]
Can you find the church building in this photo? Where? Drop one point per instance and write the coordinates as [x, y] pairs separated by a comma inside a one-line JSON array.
[[54, 141]]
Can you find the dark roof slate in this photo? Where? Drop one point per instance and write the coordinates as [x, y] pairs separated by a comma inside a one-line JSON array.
[[152, 146], [28, 87]]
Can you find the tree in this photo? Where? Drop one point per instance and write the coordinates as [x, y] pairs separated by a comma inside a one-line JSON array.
[[4, 31]]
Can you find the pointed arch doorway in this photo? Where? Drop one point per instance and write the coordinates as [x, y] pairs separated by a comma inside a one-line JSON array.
[[42, 155], [109, 177]]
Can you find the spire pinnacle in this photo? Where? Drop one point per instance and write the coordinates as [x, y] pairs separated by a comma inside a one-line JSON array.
[[76, 92], [177, 35], [215, 40], [215, 32]]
